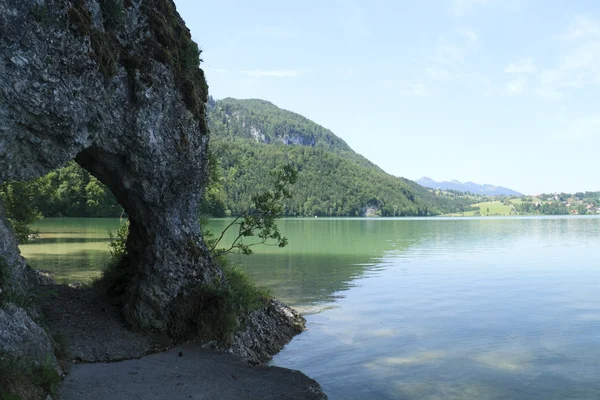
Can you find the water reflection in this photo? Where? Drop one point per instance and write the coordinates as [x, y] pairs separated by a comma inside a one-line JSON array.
[[73, 249], [489, 308]]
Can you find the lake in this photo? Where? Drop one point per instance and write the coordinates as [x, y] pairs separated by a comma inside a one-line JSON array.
[[435, 308]]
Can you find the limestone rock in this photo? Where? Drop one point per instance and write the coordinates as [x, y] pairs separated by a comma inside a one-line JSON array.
[[22, 339], [267, 331], [115, 85], [13, 269]]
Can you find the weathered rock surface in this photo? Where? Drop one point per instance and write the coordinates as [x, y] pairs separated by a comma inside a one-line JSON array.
[[22, 339], [13, 270], [267, 331], [104, 86]]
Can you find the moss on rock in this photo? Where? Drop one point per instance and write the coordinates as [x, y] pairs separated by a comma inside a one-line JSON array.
[[170, 43]]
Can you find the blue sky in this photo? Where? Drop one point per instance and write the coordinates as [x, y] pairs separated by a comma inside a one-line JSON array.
[[493, 91]]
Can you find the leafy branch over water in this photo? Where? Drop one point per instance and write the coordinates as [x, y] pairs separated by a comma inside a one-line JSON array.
[[259, 221]]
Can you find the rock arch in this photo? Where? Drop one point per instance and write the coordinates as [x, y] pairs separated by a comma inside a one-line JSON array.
[[116, 85]]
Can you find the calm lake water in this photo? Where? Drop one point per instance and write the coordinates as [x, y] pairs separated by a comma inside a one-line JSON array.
[[491, 308]]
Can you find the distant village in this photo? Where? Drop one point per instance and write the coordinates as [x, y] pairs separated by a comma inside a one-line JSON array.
[[581, 203]]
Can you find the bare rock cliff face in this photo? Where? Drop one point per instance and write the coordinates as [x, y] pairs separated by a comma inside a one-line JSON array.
[[115, 85]]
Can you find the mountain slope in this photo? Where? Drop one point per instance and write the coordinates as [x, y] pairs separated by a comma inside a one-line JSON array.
[[251, 137], [485, 190]]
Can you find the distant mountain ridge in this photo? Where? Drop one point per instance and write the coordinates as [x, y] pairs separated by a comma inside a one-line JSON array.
[[471, 187]]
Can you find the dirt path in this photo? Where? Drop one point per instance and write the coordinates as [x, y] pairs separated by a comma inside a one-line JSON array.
[[197, 374], [96, 340], [92, 328]]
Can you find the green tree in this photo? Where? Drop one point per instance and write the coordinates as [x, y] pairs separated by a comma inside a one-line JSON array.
[[213, 198], [19, 202]]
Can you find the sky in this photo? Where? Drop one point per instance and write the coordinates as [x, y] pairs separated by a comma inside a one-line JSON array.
[[504, 92]]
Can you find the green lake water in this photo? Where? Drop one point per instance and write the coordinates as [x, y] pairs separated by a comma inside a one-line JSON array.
[[437, 308]]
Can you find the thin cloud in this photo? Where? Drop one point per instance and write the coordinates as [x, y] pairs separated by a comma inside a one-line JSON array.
[[516, 87], [579, 61], [461, 7], [523, 66], [470, 35], [278, 73], [407, 88], [583, 26], [577, 69]]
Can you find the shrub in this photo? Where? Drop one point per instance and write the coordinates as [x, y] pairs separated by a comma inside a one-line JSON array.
[[117, 273], [18, 198], [218, 310], [20, 381]]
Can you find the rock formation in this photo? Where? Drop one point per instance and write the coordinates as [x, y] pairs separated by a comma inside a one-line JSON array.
[[108, 83], [115, 85]]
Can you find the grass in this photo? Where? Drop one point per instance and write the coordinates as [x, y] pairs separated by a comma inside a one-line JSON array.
[[488, 208], [218, 310], [21, 381], [519, 201]]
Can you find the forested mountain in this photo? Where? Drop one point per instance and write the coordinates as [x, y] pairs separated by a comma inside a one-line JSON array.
[[468, 187], [266, 123], [251, 137]]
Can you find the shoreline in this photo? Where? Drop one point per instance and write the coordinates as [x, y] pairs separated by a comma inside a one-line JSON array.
[[103, 359]]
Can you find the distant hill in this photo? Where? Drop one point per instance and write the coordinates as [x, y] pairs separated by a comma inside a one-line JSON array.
[[251, 137], [485, 190]]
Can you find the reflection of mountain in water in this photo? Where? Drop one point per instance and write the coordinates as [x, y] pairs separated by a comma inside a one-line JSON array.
[[325, 256]]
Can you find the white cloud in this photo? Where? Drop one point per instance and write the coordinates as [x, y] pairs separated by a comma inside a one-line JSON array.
[[281, 73], [578, 65], [516, 86], [583, 26], [523, 66], [577, 69]]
